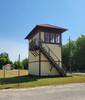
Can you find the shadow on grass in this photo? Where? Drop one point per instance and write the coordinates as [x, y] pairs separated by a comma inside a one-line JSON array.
[[20, 79], [26, 78]]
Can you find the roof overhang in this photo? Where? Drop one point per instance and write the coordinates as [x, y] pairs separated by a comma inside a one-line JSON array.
[[45, 27]]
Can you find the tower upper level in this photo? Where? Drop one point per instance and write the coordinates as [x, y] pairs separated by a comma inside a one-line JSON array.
[[45, 28], [44, 33]]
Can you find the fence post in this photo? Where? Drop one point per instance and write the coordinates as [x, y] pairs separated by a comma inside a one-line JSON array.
[[4, 76]]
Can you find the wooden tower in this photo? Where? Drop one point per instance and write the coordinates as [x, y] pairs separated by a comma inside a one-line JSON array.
[[45, 55]]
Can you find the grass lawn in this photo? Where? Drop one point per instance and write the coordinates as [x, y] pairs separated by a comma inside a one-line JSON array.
[[12, 80]]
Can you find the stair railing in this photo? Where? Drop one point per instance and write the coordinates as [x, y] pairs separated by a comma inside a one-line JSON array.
[[51, 53], [32, 47]]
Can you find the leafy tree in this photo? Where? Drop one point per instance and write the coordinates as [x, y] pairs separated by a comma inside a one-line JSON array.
[[68, 54], [18, 65], [80, 53], [65, 56], [4, 59], [25, 63], [74, 54]]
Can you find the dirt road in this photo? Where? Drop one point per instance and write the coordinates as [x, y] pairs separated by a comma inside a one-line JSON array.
[[62, 92]]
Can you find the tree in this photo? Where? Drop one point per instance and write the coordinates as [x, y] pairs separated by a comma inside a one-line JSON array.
[[25, 63], [4, 59], [18, 65], [65, 56], [68, 54], [75, 55], [80, 53]]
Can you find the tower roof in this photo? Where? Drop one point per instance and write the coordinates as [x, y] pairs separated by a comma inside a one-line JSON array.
[[50, 26], [45, 27]]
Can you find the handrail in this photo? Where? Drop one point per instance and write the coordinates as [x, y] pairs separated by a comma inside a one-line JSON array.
[[49, 49], [33, 44], [41, 41]]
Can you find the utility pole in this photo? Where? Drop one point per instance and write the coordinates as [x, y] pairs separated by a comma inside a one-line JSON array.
[[69, 55], [18, 70]]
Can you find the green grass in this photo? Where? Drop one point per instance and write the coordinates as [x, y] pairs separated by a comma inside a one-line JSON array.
[[12, 80]]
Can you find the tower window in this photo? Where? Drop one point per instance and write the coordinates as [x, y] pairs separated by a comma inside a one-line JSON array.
[[46, 37], [51, 38], [57, 38]]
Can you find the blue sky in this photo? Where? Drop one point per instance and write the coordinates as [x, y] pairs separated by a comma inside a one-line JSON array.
[[18, 17]]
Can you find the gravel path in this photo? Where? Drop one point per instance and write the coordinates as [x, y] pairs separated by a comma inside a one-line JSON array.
[[62, 92]]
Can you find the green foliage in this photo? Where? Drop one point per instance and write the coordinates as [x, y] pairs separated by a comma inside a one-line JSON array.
[[80, 53], [21, 64], [4, 59], [25, 63], [73, 54], [18, 65]]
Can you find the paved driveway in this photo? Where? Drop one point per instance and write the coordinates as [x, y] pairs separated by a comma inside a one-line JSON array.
[[63, 92]]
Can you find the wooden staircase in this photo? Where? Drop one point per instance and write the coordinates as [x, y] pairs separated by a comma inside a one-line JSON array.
[[47, 52], [51, 59]]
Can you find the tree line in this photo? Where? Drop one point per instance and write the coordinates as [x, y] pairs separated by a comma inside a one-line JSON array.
[[74, 55], [4, 59]]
